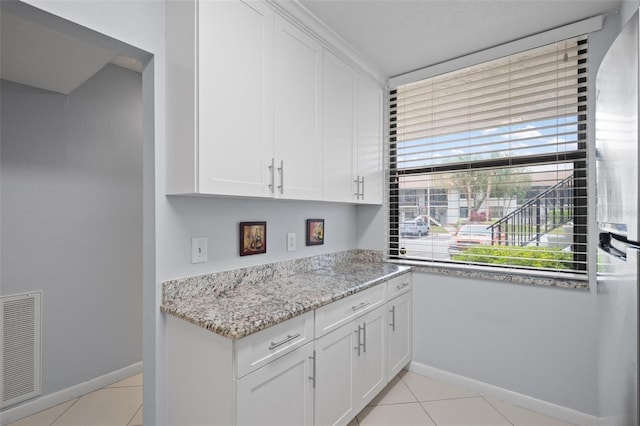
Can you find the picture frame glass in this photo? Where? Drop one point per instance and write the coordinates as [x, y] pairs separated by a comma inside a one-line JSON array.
[[315, 232], [253, 238]]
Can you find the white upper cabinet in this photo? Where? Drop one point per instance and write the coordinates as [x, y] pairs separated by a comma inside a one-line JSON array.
[[257, 108], [220, 90], [297, 108], [352, 134], [369, 142], [339, 129], [235, 74]]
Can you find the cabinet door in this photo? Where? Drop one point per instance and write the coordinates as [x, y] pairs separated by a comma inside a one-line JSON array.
[[297, 103], [371, 368], [280, 393], [369, 141], [235, 95], [335, 358], [399, 333], [338, 130]]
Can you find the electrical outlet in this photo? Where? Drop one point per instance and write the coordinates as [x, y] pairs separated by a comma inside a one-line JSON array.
[[291, 241], [198, 250]]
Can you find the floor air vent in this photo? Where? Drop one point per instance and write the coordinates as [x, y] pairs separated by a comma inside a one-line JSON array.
[[20, 343]]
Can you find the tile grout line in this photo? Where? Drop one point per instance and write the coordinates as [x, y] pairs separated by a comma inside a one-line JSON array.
[[418, 401], [134, 414], [67, 409], [495, 408], [454, 398]]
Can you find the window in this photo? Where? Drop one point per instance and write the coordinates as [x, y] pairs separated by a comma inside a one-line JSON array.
[[503, 144]]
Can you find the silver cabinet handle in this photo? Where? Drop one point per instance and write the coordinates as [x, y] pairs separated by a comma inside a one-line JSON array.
[[360, 306], [364, 338], [273, 176], [359, 345], [359, 192], [289, 338], [281, 170], [393, 318], [401, 286], [313, 369]]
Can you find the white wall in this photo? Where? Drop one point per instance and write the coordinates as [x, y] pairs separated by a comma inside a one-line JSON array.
[[72, 220]]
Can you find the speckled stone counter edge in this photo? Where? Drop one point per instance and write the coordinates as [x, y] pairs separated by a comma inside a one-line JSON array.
[[517, 278], [212, 284]]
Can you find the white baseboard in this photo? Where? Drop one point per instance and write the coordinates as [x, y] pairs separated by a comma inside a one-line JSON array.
[[43, 402], [552, 410]]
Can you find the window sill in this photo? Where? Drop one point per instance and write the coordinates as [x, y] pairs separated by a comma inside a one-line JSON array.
[[506, 275]]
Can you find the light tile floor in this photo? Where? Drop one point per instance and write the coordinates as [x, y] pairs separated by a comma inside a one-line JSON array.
[[119, 404], [408, 400], [411, 400]]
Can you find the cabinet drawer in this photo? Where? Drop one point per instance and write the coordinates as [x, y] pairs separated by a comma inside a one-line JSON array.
[[398, 285], [335, 314], [256, 350]]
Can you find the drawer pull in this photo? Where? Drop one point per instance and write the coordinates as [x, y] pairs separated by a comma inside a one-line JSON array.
[[360, 306], [289, 338], [401, 286]]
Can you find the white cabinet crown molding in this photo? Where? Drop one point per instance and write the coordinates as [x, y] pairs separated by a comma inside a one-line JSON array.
[[300, 16]]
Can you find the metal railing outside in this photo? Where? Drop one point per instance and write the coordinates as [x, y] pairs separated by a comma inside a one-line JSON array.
[[540, 215]]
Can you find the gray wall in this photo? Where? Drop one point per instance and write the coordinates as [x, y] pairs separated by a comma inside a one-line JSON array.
[[167, 234], [528, 339], [218, 219], [371, 227], [140, 24], [537, 341], [72, 220]]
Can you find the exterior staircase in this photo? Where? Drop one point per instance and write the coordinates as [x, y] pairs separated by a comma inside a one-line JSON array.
[[538, 216]]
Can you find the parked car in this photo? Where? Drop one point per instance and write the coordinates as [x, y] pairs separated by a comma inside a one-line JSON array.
[[469, 235], [415, 227]]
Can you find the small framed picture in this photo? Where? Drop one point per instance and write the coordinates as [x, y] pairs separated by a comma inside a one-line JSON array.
[[315, 232], [253, 238]]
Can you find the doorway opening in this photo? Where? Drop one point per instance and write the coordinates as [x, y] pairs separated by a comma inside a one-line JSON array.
[[72, 191]]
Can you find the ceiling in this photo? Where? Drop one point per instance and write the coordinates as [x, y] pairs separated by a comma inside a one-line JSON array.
[[399, 36], [40, 56]]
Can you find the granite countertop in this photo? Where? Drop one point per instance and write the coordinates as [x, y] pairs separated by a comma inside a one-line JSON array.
[[250, 307]]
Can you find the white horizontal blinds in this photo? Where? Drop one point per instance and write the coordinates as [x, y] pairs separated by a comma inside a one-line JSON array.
[[501, 144], [511, 106]]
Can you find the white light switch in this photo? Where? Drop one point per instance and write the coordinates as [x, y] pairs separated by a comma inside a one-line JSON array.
[[198, 250], [291, 241]]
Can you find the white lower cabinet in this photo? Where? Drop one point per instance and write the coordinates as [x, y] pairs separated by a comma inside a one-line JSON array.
[[351, 368], [335, 357], [280, 393], [398, 333], [399, 325], [319, 368], [370, 369]]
